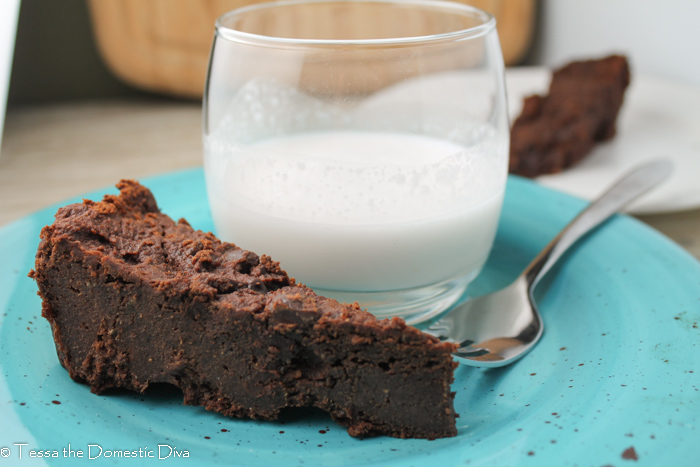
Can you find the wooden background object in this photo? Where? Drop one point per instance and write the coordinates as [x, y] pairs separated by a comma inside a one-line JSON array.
[[163, 45]]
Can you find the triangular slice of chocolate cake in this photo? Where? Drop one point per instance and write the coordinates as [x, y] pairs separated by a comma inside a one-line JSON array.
[[135, 298]]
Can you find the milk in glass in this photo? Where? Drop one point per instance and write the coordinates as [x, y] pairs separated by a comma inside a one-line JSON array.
[[360, 210]]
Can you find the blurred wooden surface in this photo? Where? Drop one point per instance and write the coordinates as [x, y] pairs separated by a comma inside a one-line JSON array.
[[163, 45], [56, 152]]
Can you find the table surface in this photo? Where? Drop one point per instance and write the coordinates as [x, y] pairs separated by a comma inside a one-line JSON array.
[[51, 153]]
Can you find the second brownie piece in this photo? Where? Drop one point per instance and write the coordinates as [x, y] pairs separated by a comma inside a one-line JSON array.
[[556, 131]]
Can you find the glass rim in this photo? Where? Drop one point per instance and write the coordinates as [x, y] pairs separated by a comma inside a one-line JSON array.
[[487, 25]]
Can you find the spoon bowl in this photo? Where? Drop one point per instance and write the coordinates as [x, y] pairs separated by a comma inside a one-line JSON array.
[[501, 327], [494, 329]]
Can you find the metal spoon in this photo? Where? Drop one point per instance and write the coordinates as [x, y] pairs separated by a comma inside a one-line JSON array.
[[499, 328]]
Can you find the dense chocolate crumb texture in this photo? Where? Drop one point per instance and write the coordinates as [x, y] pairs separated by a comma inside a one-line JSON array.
[[556, 131], [134, 298]]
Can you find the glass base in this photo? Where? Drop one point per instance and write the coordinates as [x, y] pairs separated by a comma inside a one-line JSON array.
[[413, 305]]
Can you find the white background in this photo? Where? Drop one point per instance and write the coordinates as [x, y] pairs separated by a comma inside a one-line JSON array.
[[8, 25], [661, 38]]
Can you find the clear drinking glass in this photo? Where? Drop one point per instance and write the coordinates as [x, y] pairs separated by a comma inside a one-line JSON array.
[[362, 144]]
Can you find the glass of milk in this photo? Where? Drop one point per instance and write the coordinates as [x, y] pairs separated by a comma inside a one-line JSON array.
[[362, 144]]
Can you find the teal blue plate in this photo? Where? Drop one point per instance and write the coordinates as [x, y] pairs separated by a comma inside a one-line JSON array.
[[616, 376]]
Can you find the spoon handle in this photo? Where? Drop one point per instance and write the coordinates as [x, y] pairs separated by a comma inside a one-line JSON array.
[[622, 192]]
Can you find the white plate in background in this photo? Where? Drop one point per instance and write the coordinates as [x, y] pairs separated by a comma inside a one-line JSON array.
[[659, 118]]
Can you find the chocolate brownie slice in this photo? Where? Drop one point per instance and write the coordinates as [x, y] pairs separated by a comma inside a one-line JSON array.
[[135, 298], [558, 130]]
